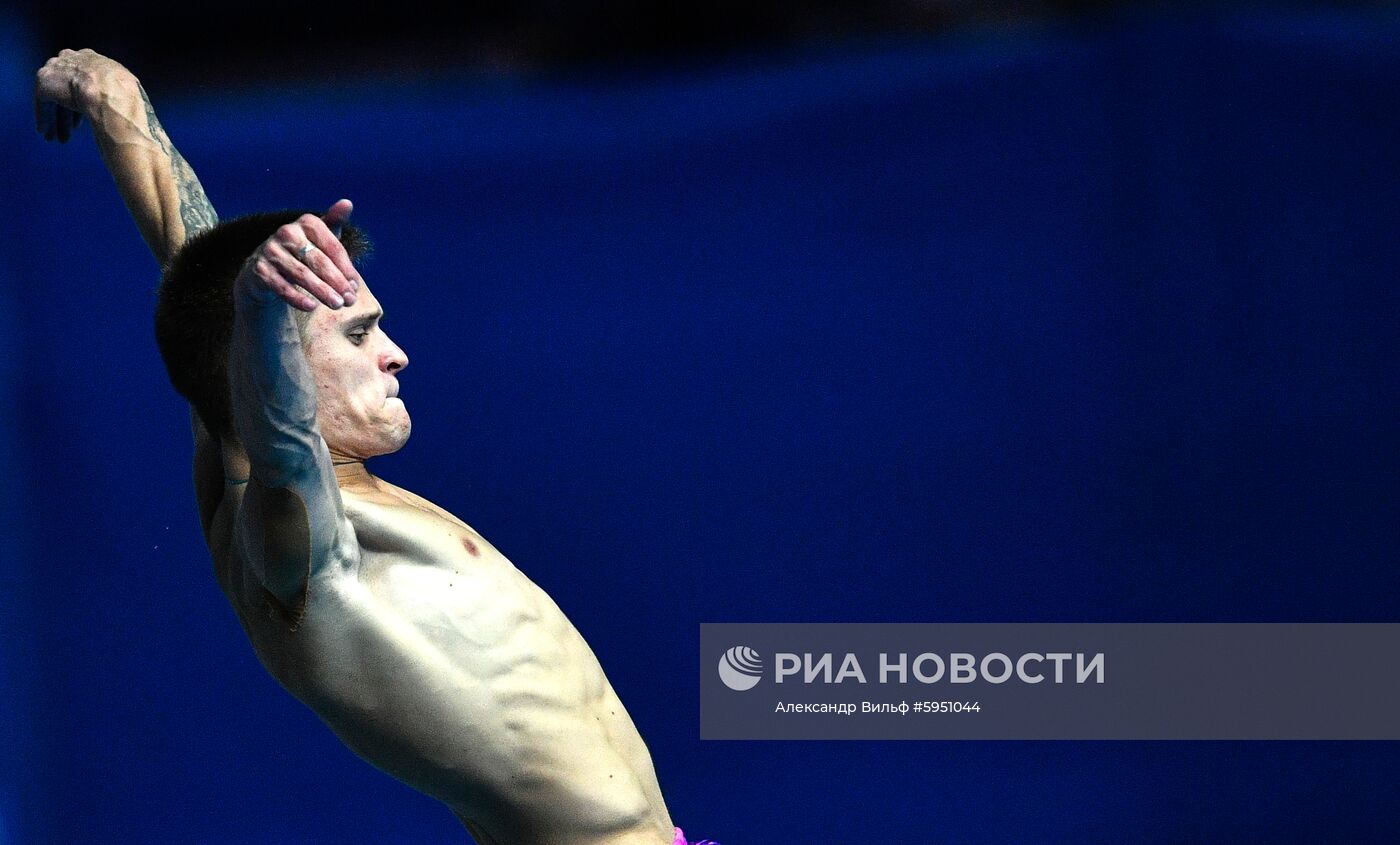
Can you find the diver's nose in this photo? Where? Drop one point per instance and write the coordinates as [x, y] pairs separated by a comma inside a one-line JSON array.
[[393, 358]]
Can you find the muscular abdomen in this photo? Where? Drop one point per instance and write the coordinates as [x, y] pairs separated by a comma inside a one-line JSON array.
[[442, 664], [473, 687]]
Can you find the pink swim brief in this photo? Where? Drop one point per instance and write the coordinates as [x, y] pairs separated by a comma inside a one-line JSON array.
[[680, 840]]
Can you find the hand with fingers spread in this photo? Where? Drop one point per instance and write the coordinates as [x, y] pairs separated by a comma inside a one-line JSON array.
[[303, 264]]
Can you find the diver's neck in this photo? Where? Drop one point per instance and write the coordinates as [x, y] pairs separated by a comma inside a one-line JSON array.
[[349, 471]]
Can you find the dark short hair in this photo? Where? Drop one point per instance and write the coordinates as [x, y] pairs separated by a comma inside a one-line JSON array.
[[194, 307]]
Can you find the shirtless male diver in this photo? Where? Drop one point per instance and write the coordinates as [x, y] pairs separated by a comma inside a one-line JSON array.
[[422, 647]]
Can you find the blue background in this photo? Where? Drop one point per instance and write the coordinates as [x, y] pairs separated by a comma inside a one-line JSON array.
[[1090, 324]]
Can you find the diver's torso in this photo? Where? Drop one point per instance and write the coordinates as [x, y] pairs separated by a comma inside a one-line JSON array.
[[441, 663]]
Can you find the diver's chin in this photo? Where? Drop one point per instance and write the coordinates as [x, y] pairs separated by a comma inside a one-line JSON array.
[[387, 439], [399, 437]]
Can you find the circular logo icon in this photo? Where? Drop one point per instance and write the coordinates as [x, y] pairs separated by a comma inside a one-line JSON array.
[[740, 668]]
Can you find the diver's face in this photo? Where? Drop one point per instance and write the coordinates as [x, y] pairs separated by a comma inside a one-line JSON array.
[[355, 366]]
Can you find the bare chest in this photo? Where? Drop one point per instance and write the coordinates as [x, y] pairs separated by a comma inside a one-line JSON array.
[[442, 662], [431, 570]]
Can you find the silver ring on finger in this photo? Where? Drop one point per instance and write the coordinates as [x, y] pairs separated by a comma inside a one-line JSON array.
[[305, 248]]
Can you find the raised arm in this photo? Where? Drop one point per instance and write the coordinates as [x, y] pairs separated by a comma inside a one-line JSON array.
[[292, 520], [156, 183]]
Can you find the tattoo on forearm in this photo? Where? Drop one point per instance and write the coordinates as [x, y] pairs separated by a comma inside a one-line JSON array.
[[195, 211]]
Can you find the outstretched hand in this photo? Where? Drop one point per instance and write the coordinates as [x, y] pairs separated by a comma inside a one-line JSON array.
[[304, 264], [70, 84]]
